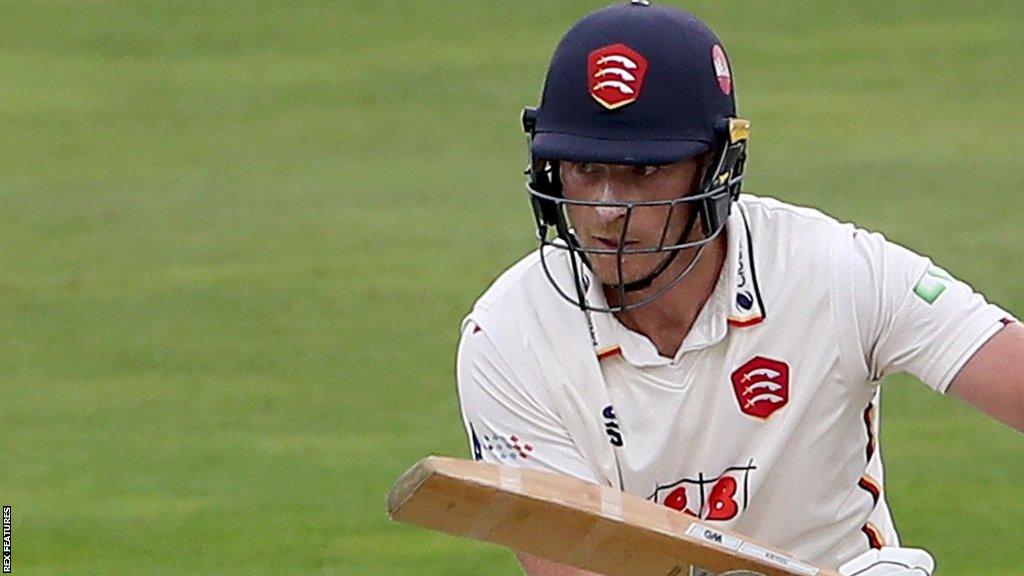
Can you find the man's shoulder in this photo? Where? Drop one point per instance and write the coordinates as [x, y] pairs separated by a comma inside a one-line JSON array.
[[779, 227], [524, 291], [764, 211], [508, 288], [523, 316]]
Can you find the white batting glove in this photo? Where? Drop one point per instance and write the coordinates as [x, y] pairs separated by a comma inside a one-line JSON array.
[[890, 562]]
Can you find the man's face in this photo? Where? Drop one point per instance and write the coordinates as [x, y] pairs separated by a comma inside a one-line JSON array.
[[605, 227]]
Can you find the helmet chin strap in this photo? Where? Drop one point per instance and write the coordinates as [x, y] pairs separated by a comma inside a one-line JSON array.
[[645, 282]]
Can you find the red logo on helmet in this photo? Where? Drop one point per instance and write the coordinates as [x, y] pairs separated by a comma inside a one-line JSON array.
[[615, 75], [761, 386], [722, 69]]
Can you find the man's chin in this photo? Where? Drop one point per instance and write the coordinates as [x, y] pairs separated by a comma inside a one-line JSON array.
[[612, 280]]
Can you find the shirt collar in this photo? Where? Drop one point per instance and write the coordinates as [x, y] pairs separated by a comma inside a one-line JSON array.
[[735, 302]]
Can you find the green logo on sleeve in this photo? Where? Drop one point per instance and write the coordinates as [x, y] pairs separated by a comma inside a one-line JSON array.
[[932, 285]]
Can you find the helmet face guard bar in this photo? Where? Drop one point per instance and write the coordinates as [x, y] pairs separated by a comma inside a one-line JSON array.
[[710, 204], [577, 259]]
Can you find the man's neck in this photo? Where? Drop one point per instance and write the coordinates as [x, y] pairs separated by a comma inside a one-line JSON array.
[[667, 320]]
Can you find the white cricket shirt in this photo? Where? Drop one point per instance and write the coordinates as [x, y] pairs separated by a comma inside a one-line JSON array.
[[766, 419]]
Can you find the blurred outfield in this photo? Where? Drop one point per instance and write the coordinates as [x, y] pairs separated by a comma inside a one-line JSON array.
[[236, 240]]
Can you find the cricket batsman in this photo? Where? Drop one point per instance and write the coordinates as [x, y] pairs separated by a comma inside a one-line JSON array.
[[714, 352]]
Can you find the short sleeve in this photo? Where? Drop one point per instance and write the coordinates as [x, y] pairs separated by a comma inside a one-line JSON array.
[[913, 316], [507, 413]]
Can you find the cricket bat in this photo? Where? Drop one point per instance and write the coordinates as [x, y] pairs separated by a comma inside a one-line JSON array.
[[577, 523]]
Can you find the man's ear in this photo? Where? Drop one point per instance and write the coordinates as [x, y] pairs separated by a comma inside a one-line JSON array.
[[706, 161]]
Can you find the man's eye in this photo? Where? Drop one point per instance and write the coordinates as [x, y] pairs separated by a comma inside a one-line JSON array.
[[586, 168], [647, 170]]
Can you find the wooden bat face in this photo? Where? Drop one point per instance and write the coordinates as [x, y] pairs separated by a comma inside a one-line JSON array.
[[576, 523]]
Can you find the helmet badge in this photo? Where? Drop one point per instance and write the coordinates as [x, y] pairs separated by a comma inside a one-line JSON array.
[[616, 75], [722, 69]]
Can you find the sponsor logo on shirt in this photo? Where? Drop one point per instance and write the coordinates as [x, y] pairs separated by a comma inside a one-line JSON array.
[[611, 426], [744, 297], [932, 285], [761, 386], [505, 448], [744, 300], [747, 307], [707, 496]]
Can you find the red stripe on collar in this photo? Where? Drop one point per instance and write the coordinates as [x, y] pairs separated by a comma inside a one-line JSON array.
[[736, 323]]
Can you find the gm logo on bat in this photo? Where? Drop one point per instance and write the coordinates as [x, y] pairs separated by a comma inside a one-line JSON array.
[[698, 571]]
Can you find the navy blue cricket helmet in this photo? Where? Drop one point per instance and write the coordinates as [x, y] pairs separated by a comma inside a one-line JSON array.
[[642, 85]]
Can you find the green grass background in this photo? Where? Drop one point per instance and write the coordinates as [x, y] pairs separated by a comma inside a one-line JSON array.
[[236, 240]]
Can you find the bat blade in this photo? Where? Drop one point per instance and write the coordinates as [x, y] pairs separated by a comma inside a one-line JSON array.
[[576, 523]]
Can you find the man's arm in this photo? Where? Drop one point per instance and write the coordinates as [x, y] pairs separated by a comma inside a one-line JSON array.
[[497, 401], [993, 380], [911, 316], [534, 566]]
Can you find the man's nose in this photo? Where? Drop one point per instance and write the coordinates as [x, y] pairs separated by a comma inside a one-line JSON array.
[[609, 214], [612, 208]]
